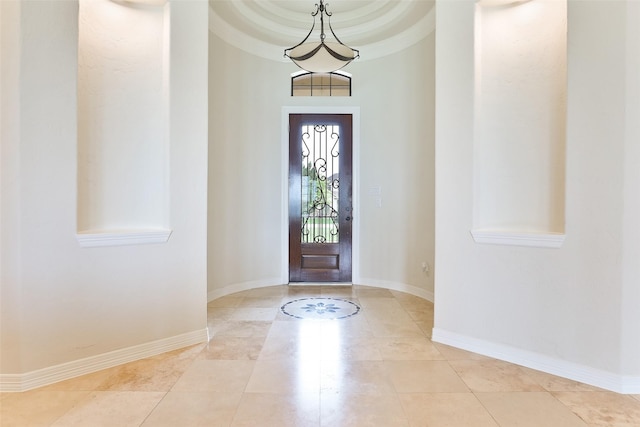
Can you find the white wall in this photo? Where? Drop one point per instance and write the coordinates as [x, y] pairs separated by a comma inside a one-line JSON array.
[[65, 308], [570, 310], [10, 295], [631, 245], [395, 95]]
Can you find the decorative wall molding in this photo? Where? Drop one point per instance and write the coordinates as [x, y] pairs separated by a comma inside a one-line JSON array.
[[93, 239], [65, 371], [562, 368], [516, 238]]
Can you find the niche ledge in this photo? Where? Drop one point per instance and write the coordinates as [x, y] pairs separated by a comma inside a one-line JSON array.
[[516, 238], [94, 239]]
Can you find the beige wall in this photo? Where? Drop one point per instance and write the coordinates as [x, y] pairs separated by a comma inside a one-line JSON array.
[[395, 97], [65, 308], [570, 310]]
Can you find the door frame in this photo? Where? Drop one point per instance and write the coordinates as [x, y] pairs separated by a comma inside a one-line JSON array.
[[284, 167]]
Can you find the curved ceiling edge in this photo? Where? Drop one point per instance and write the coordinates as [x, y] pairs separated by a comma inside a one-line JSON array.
[[401, 41], [348, 26], [243, 41], [260, 48], [371, 6]]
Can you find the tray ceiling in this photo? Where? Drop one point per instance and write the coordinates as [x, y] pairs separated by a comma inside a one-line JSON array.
[[376, 27]]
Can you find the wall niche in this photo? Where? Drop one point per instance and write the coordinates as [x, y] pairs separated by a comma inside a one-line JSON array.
[[520, 122], [123, 152]]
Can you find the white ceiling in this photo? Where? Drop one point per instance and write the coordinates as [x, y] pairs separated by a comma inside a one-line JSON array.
[[375, 27]]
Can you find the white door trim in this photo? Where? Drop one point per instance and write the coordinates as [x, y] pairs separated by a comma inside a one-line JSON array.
[[284, 167]]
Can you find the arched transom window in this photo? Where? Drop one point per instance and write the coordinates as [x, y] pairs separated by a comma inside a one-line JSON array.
[[305, 83]]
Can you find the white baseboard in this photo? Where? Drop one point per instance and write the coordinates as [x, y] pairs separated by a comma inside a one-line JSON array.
[[65, 371], [396, 286], [562, 368], [243, 286]]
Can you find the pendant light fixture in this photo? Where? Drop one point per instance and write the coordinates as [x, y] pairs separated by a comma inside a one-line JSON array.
[[321, 56]]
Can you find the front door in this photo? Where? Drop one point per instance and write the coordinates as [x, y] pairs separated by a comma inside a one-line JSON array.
[[320, 197]]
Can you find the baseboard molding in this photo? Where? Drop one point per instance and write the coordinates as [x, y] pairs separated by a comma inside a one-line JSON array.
[[243, 286], [562, 368], [396, 286], [76, 368]]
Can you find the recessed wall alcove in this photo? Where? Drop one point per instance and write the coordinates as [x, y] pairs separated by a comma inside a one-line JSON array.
[[520, 122], [123, 153]]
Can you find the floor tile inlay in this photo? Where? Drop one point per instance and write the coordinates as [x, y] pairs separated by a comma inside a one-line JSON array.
[[320, 308]]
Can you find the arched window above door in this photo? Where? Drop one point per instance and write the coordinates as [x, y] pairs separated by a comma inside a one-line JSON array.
[[305, 83]]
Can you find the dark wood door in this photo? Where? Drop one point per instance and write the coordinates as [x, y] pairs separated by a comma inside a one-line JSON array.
[[320, 197]]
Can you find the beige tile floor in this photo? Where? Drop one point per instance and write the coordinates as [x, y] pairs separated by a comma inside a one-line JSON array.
[[263, 368]]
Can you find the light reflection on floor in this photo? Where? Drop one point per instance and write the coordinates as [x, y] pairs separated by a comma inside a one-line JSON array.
[[262, 368]]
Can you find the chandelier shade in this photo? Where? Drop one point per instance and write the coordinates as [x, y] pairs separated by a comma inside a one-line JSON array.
[[321, 56]]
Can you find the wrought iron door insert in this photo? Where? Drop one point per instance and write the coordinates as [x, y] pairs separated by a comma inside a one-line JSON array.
[[319, 201], [320, 183]]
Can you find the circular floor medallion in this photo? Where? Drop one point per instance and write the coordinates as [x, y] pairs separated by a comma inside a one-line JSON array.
[[320, 308]]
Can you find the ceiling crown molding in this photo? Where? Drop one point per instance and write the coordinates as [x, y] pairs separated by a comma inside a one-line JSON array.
[[377, 28]]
